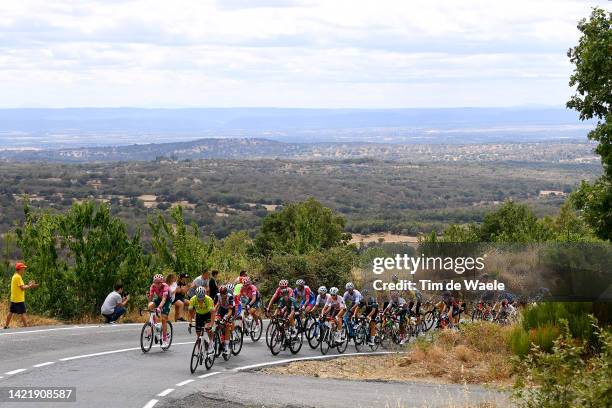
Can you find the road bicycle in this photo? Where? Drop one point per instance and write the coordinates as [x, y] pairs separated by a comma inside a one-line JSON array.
[[235, 341], [201, 353], [362, 335], [252, 327], [328, 336], [390, 331], [152, 332], [283, 337], [314, 332]]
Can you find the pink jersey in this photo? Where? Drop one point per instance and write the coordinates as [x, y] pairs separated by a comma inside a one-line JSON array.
[[277, 294], [160, 291], [248, 291]]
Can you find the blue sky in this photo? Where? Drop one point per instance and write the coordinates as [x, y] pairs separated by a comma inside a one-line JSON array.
[[287, 53]]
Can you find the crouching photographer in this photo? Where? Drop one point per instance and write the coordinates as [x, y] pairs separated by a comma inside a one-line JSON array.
[[114, 304]]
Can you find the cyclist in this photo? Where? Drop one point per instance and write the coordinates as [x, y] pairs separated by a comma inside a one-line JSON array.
[[203, 307], [321, 300], [397, 306], [368, 308], [282, 284], [303, 293], [337, 308], [352, 298], [224, 308], [159, 300], [287, 307], [250, 296]]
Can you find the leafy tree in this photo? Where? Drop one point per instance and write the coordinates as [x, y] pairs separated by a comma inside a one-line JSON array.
[[301, 228], [592, 78], [177, 246]]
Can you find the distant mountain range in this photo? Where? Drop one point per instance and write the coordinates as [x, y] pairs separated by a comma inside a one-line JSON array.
[[245, 148], [87, 127]]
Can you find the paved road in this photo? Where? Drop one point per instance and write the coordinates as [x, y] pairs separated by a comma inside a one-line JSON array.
[[109, 370]]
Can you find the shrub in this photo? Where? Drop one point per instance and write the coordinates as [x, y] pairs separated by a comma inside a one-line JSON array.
[[565, 377], [519, 341]]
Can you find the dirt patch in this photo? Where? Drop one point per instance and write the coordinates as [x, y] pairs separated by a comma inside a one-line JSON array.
[[383, 237], [447, 358]]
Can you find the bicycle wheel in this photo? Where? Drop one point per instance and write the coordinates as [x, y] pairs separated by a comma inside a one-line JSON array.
[[325, 339], [276, 341], [209, 359], [256, 329], [386, 338], [429, 320], [196, 355], [375, 343], [341, 347], [308, 323], [269, 331], [295, 343], [360, 337], [237, 340], [314, 335], [169, 332], [146, 337], [218, 344]]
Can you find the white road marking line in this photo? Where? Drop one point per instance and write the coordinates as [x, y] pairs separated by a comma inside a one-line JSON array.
[[19, 370], [184, 383], [151, 403], [103, 353], [165, 392], [68, 328], [43, 364], [209, 374]]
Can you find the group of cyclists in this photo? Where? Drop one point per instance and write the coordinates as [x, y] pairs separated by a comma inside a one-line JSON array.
[[230, 304]]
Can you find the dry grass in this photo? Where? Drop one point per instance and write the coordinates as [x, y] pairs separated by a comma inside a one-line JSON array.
[[477, 355], [33, 320]]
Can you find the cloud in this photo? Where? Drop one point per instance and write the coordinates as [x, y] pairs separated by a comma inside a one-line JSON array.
[[283, 53]]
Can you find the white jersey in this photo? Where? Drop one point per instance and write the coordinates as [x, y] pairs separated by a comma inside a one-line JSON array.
[[322, 300], [353, 298], [338, 303]]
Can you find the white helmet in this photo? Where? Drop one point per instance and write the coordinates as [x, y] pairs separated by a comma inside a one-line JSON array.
[[158, 278], [322, 290], [349, 286], [200, 292], [333, 291]]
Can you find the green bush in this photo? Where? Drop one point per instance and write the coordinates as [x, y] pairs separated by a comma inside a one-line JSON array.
[[549, 314], [567, 377], [520, 343]]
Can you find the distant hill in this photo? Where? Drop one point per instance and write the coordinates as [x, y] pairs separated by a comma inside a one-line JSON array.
[[254, 148], [85, 127]]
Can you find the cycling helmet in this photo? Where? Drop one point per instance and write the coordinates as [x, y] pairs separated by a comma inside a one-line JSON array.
[[223, 289], [283, 283], [246, 281], [349, 286], [394, 294], [365, 292], [200, 292], [322, 290], [158, 278], [333, 291], [285, 292], [300, 282], [395, 279], [230, 287]]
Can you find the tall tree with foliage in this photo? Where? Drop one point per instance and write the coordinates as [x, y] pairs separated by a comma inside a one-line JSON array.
[[301, 228], [592, 78]]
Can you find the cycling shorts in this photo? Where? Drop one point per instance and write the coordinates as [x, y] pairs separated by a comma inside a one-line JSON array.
[[202, 319], [166, 309]]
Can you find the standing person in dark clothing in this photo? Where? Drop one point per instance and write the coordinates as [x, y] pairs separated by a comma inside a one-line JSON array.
[[213, 288]]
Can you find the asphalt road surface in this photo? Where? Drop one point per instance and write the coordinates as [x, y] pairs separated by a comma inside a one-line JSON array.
[[109, 370]]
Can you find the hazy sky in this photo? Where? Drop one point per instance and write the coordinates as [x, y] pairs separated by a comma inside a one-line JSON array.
[[287, 53]]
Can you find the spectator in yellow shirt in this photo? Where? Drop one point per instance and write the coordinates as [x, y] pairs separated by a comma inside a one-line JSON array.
[[18, 289]]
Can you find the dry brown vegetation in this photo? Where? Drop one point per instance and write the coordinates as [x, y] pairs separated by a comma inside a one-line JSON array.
[[479, 354]]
